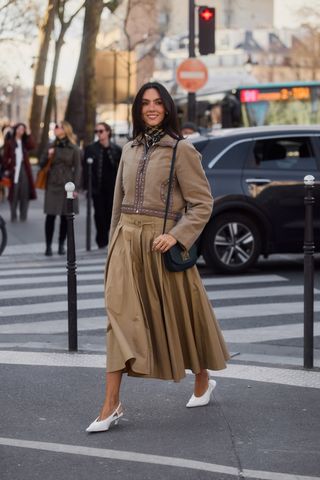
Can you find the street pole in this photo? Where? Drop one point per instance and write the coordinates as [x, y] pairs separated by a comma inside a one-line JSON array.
[[191, 95], [308, 272], [71, 268], [89, 198]]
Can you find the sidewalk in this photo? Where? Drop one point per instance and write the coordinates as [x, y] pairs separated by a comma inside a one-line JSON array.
[[28, 237], [263, 422]]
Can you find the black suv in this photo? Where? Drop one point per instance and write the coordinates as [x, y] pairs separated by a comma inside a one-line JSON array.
[[256, 176]]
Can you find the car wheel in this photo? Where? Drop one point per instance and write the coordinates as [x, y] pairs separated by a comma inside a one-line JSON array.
[[231, 243]]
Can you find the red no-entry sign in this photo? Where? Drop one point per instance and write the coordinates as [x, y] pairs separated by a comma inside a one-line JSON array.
[[192, 74]]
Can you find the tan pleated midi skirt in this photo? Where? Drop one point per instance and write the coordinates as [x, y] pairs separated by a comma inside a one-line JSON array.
[[160, 323]]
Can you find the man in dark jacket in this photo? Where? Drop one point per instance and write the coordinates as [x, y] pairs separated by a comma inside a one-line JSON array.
[[106, 157]]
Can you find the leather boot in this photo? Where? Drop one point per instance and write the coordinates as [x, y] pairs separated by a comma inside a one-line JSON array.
[[48, 251], [61, 249]]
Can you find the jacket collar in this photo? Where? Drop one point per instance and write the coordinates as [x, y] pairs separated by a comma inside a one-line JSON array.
[[165, 141]]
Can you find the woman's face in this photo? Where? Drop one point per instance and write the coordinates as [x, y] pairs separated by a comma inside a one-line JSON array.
[[153, 110], [59, 131], [20, 131]]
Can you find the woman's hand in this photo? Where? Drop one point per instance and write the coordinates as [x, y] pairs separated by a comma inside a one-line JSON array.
[[51, 152], [163, 243]]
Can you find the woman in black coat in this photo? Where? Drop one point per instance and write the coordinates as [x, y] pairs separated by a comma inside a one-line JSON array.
[[106, 157]]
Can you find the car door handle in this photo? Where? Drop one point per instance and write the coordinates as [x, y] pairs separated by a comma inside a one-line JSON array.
[[258, 181]]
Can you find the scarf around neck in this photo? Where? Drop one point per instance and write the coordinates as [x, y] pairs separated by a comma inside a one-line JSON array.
[[153, 135], [61, 142]]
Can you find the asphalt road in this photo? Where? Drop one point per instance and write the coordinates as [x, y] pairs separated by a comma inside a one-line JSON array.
[[263, 422]]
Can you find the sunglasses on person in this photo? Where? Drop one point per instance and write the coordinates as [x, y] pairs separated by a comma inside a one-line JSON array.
[[58, 126], [99, 131]]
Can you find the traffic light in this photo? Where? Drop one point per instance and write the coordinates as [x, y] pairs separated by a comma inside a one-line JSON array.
[[207, 20]]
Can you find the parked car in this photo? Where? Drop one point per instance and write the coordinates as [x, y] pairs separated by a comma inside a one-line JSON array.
[[256, 176]]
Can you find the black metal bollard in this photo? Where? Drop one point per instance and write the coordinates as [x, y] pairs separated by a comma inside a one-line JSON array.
[[71, 268], [89, 200], [308, 272]]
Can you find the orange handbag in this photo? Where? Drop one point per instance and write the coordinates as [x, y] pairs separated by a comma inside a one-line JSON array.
[[42, 175], [5, 182]]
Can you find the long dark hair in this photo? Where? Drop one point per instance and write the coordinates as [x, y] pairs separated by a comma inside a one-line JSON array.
[[170, 123], [14, 131]]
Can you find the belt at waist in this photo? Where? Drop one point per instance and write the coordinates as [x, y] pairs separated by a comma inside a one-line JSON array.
[[150, 212], [145, 221]]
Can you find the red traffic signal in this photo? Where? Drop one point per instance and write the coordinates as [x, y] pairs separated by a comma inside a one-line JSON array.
[[206, 19], [206, 14]]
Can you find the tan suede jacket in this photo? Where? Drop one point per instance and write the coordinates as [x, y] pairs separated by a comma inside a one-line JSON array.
[[142, 184]]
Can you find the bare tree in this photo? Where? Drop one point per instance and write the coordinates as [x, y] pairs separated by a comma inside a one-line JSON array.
[[6, 4], [82, 103], [305, 51], [64, 25], [45, 30], [18, 19], [139, 32], [306, 54], [80, 110]]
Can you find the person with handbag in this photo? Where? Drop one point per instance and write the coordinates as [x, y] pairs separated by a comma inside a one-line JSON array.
[[17, 169], [64, 160], [165, 324]]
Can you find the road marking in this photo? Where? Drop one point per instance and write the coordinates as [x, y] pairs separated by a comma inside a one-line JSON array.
[[45, 280], [261, 310], [34, 271], [283, 376], [49, 307], [53, 326], [49, 291], [243, 279], [272, 359], [265, 334], [150, 459], [207, 282], [222, 313], [256, 292], [243, 335], [212, 294], [53, 262], [37, 248]]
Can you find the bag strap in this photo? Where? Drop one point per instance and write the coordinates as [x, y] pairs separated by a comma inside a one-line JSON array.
[[170, 185]]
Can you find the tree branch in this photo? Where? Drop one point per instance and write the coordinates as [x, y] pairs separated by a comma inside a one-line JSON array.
[[9, 2], [76, 13]]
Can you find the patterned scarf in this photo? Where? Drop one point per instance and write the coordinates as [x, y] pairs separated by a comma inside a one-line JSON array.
[[153, 135]]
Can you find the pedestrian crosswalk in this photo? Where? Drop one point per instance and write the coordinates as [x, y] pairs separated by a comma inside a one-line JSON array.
[[252, 308]]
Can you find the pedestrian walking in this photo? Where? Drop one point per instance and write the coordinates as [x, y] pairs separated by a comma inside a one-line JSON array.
[[65, 166], [160, 322], [17, 168], [106, 156]]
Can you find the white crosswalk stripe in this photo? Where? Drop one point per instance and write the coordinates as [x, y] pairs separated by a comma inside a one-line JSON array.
[[213, 295], [33, 290]]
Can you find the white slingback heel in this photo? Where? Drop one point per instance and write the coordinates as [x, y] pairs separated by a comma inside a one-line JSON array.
[[104, 425]]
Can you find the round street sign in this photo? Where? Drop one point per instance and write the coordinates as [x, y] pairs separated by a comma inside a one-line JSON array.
[[192, 74]]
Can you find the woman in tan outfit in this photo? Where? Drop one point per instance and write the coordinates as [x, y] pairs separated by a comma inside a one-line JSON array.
[[160, 323]]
